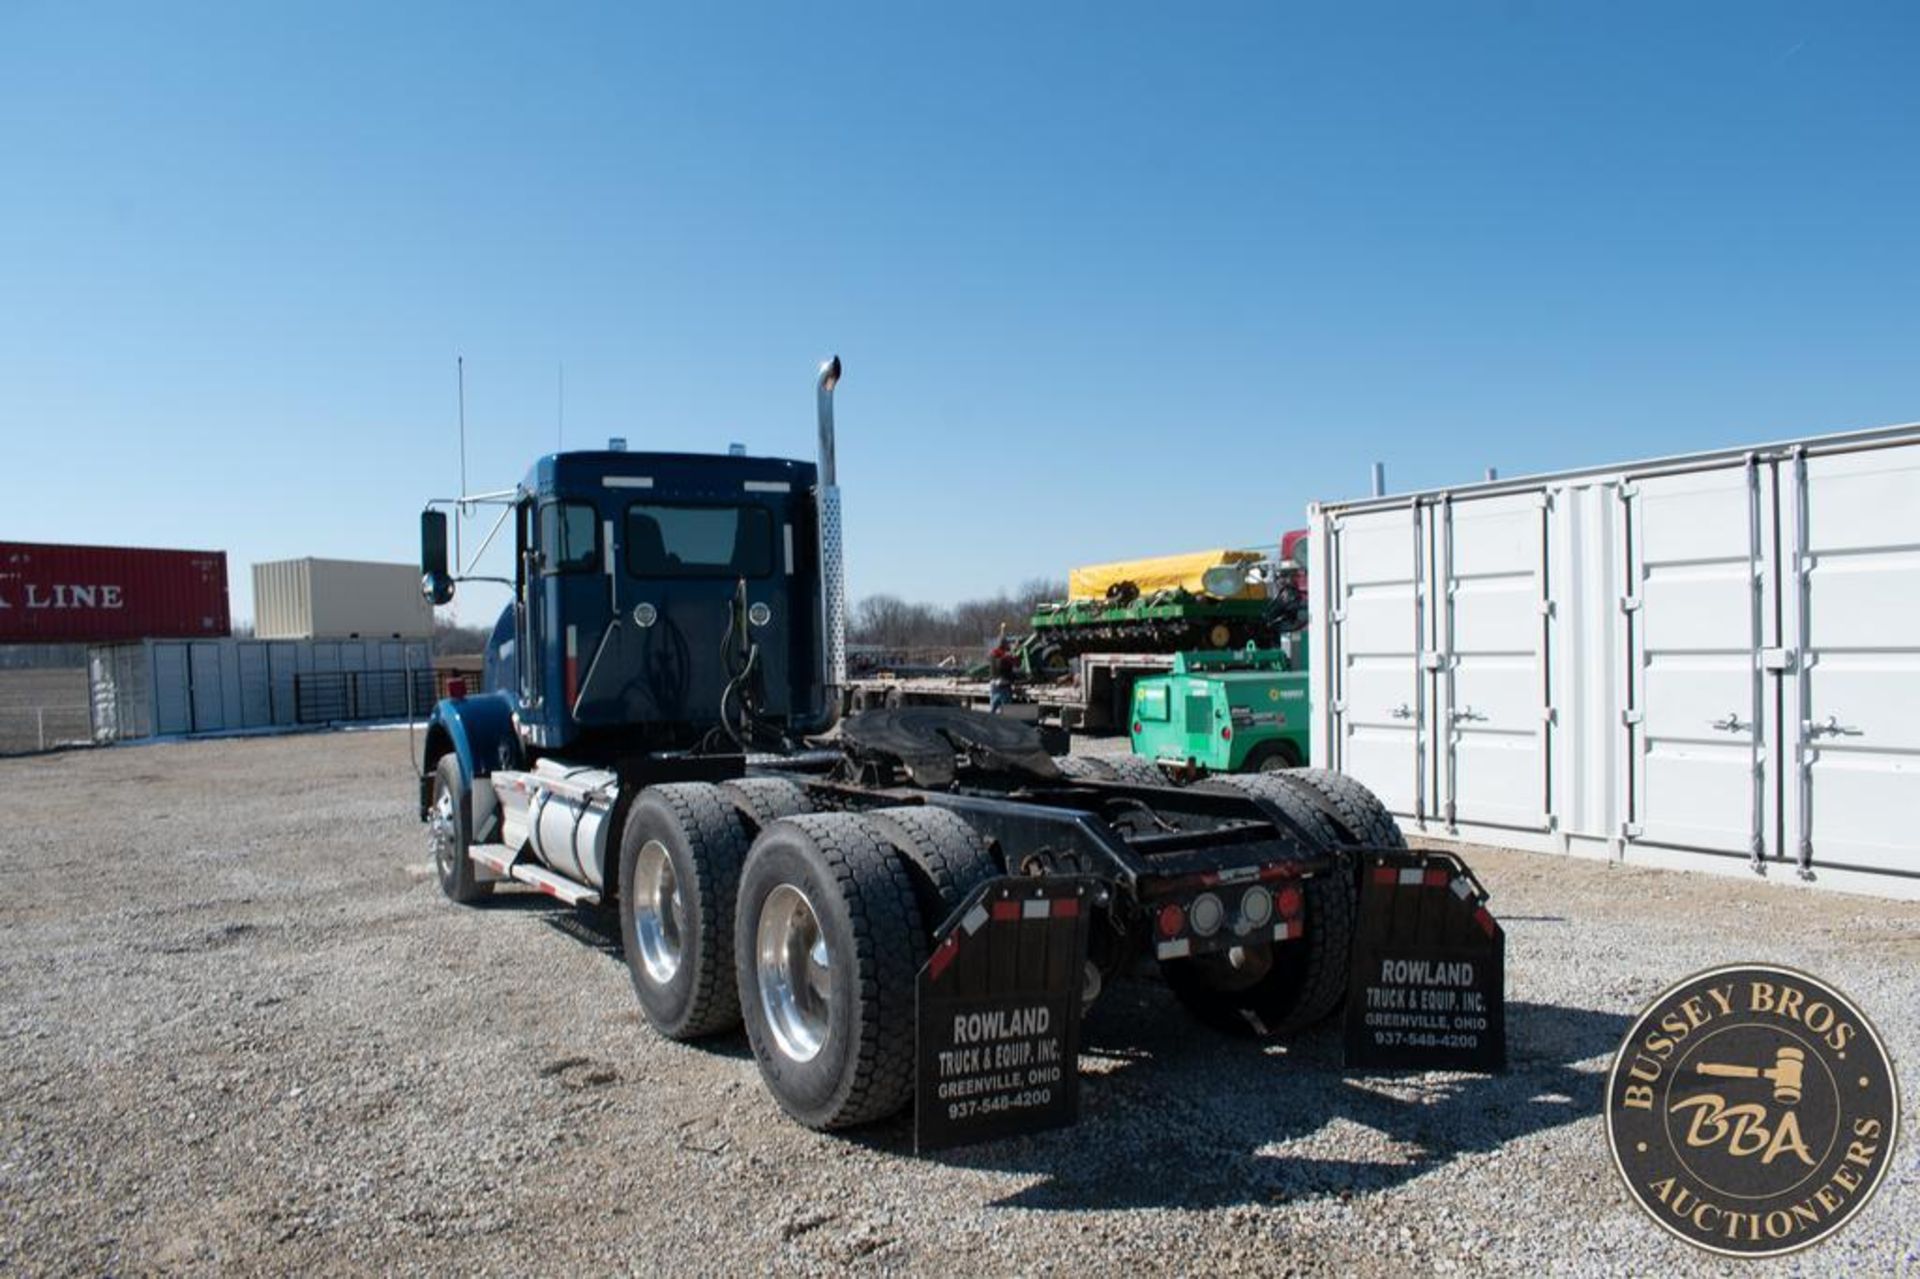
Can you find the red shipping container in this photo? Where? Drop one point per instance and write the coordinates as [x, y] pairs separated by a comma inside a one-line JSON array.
[[99, 594]]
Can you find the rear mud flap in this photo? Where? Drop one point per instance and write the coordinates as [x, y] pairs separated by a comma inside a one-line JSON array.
[[1427, 990], [997, 1037]]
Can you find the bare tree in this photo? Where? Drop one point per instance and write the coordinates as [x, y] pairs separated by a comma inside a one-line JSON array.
[[963, 629]]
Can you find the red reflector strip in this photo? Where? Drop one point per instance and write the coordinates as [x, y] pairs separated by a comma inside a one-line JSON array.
[[1385, 875], [1066, 907], [1003, 911], [1436, 879], [1482, 918], [942, 956]]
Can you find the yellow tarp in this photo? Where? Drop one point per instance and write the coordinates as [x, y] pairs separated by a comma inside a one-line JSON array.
[[1158, 574]]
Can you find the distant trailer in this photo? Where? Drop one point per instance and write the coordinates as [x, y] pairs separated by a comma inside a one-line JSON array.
[[166, 688], [1707, 662], [1095, 698]]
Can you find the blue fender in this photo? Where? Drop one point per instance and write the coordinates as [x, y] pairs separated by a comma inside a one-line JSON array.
[[479, 730]]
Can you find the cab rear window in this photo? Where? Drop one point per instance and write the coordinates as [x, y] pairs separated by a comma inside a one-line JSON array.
[[685, 540]]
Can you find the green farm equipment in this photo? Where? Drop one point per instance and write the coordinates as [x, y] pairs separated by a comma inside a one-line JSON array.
[[1239, 711]]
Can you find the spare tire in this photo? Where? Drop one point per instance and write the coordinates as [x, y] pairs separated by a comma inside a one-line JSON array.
[[1278, 988]]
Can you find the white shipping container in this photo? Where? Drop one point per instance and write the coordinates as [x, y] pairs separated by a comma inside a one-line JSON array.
[[164, 688], [339, 599], [1707, 662]]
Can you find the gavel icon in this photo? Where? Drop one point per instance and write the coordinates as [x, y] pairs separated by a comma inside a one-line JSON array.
[[1787, 1073]]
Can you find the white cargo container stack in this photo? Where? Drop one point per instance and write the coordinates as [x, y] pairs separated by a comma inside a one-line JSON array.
[[1707, 662], [339, 599], [165, 688]]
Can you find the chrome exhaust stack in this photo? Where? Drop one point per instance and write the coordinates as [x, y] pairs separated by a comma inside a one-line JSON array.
[[833, 582]]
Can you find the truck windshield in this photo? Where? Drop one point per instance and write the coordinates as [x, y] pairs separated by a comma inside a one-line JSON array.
[[699, 541]]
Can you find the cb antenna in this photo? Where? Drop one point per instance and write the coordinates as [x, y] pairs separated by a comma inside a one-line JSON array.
[[560, 423], [460, 377]]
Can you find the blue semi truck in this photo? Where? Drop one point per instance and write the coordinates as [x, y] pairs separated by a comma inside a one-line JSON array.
[[891, 899]]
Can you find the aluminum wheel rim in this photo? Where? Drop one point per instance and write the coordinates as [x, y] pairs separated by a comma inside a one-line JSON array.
[[659, 917], [440, 830], [795, 970]]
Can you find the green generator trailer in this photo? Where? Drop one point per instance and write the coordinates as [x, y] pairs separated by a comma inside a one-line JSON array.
[[1237, 711]]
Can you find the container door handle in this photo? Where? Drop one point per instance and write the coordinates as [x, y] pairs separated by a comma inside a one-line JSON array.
[[1468, 713], [1402, 711], [1731, 724], [1833, 728]]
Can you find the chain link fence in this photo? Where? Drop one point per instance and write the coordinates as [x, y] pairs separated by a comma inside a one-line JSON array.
[[43, 709]]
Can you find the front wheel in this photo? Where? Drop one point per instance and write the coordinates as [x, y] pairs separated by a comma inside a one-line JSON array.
[[450, 834], [828, 944]]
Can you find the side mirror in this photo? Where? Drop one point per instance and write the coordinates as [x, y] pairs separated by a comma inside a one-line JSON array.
[[436, 582]]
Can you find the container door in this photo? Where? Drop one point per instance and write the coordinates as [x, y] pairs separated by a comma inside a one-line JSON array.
[[1858, 686], [1697, 617], [283, 664], [204, 675], [1379, 643], [256, 701], [172, 707], [1491, 563]]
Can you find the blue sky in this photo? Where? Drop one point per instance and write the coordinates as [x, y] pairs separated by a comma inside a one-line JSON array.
[[1108, 279]]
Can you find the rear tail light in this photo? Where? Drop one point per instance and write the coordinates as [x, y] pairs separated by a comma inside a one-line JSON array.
[[456, 688], [1289, 902], [1172, 920], [1256, 908], [1206, 914]]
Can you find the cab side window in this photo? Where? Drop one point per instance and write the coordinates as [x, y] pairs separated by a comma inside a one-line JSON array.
[[569, 538]]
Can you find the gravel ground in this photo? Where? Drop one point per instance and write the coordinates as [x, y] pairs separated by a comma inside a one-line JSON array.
[[243, 1031]]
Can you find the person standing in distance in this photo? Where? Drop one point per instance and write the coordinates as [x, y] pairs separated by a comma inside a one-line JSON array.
[[999, 673]]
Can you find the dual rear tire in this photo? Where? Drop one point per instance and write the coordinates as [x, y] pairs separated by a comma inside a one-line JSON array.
[[1287, 987], [811, 931]]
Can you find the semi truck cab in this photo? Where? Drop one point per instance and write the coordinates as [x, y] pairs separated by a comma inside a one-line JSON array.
[[663, 603], [651, 588]]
